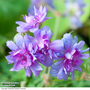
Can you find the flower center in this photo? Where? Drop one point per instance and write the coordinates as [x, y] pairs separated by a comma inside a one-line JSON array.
[[23, 60], [68, 56], [44, 50], [37, 18]]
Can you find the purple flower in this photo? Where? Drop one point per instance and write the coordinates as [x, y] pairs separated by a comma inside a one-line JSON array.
[[37, 3], [74, 9], [23, 56], [48, 50], [71, 58], [32, 22], [40, 14]]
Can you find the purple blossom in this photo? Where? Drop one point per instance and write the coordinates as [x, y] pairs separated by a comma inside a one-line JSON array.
[[48, 50], [71, 58], [32, 22], [74, 9], [37, 3], [23, 55]]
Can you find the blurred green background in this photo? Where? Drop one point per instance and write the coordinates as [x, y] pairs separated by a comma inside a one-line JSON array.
[[12, 11]]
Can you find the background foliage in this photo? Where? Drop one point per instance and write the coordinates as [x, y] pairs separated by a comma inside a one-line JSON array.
[[12, 11]]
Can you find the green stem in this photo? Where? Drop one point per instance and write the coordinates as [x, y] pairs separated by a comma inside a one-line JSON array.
[[45, 69], [55, 28], [71, 32], [54, 37], [57, 14]]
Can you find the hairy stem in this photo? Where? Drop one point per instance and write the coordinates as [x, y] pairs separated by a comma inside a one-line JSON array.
[[57, 14], [55, 28], [54, 37]]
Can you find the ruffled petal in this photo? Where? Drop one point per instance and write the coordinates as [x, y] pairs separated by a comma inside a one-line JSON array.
[[66, 76], [19, 41], [17, 66], [61, 74], [85, 50], [72, 75], [9, 59], [20, 29], [47, 61], [67, 40], [80, 44], [11, 45], [55, 68], [56, 45], [27, 71], [54, 72], [36, 66], [78, 68], [37, 34], [47, 32], [84, 56], [75, 40], [29, 39], [21, 23], [78, 62], [36, 69]]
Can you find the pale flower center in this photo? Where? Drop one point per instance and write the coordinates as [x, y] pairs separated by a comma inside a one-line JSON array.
[[68, 56]]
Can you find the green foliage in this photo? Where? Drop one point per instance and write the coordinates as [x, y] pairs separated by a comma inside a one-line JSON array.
[[10, 11]]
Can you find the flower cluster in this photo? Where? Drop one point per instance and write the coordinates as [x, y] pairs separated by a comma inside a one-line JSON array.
[[74, 9], [29, 51]]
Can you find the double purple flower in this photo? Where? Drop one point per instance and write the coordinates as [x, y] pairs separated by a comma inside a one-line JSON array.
[[23, 56], [46, 49], [70, 58], [32, 23]]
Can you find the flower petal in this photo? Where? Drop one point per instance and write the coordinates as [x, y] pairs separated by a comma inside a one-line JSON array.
[[21, 23], [85, 50], [61, 74], [17, 66], [78, 62], [67, 40], [20, 29], [56, 45], [9, 59], [29, 39], [35, 72], [47, 61], [80, 44], [84, 56], [11, 45], [27, 71], [36, 66], [55, 68], [72, 75], [19, 41], [78, 68]]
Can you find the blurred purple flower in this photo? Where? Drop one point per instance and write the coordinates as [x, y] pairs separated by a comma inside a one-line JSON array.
[[74, 9], [37, 3], [32, 22], [71, 58], [48, 50], [23, 56]]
